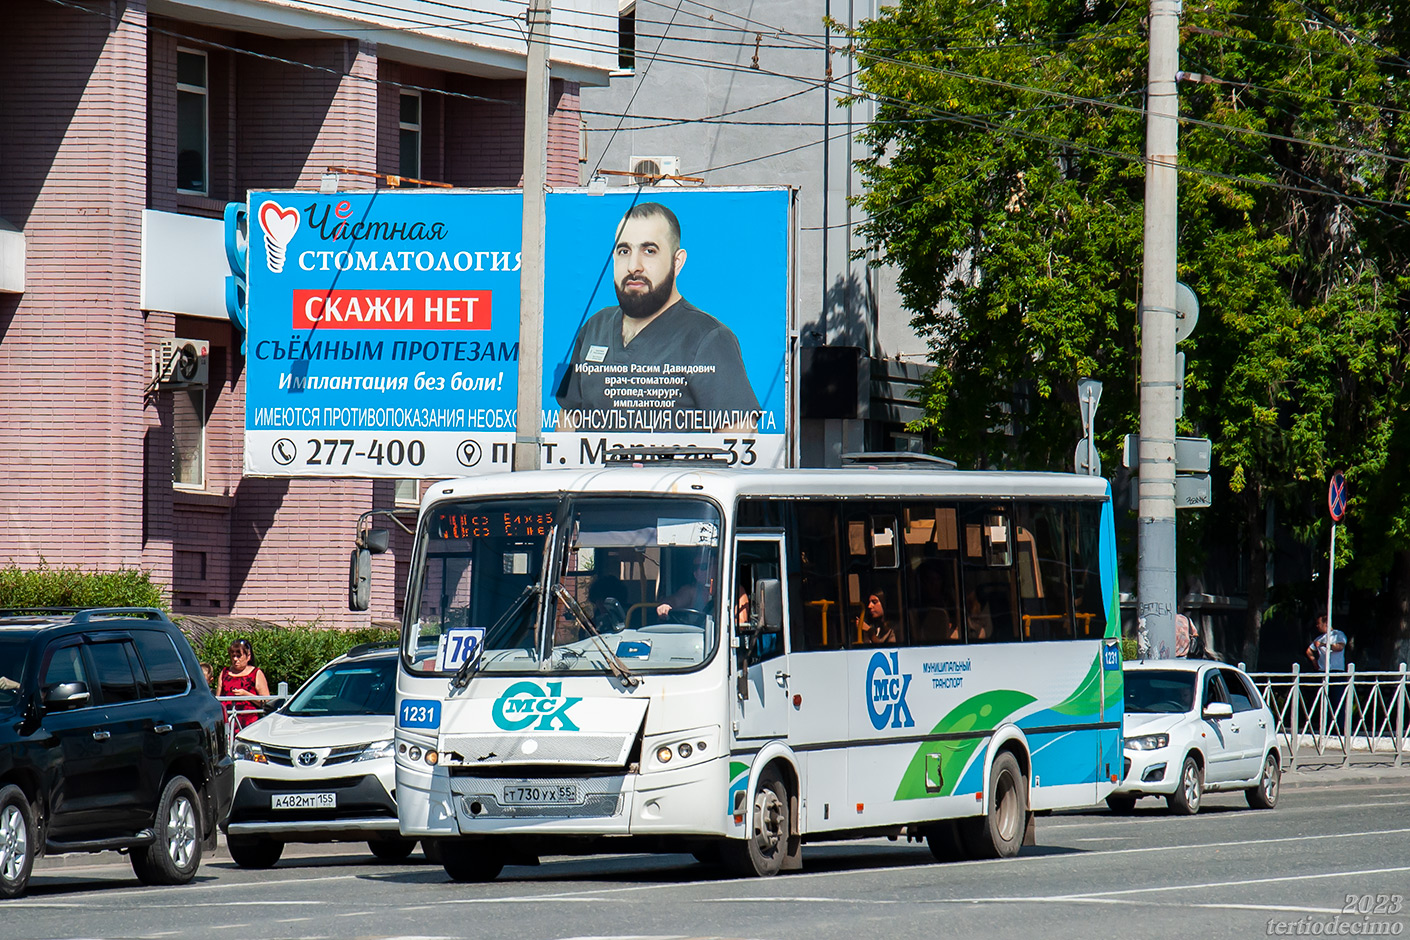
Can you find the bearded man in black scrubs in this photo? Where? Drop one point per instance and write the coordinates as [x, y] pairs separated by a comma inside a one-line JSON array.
[[654, 362]]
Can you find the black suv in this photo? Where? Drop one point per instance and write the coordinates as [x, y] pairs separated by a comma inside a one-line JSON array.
[[110, 738]]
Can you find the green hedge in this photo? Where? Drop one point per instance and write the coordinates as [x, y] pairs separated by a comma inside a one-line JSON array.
[[286, 655], [72, 587]]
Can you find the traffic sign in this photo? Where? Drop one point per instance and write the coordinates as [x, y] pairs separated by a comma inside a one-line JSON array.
[[1089, 395], [1186, 310], [1192, 454], [1193, 491], [1336, 496], [1086, 459]]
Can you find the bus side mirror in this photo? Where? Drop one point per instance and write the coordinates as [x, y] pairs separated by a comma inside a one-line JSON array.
[[770, 605], [375, 541], [360, 579]]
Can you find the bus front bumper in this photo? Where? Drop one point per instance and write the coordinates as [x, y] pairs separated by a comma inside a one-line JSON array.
[[687, 801]]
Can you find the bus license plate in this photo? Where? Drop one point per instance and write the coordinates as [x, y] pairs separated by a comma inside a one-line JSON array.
[[304, 801], [541, 796]]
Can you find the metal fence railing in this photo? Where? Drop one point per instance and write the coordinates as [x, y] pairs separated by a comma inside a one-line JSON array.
[[239, 708], [1347, 717]]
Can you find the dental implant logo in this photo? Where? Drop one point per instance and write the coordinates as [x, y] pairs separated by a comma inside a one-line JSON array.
[[279, 226]]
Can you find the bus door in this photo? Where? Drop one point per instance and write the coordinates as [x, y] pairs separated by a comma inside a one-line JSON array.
[[760, 655]]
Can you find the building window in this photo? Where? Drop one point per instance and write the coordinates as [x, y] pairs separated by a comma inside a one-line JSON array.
[[410, 134], [192, 125], [188, 437], [626, 37], [407, 494]]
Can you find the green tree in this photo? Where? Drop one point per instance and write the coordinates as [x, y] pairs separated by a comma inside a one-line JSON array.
[[1006, 185]]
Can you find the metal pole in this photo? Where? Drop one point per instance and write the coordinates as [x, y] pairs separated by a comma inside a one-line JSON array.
[[528, 431], [1156, 510], [1327, 651]]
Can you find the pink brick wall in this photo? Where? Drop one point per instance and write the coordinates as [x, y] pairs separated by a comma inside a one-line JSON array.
[[485, 139], [72, 347], [81, 155]]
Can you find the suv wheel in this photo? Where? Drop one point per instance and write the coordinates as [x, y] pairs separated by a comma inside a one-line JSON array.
[[176, 854], [253, 853], [17, 846]]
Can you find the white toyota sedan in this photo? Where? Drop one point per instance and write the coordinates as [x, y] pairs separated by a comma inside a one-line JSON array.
[[321, 768], [1193, 726]]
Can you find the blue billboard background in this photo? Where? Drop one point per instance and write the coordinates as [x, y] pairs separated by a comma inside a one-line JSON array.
[[367, 337]]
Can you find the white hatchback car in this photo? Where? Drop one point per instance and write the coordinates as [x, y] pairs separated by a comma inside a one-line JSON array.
[[321, 768], [1193, 726]]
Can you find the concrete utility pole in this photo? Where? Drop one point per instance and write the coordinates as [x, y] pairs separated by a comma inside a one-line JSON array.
[[528, 433], [1156, 512]]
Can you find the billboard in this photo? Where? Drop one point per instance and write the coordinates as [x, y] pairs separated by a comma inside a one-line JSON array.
[[383, 328]]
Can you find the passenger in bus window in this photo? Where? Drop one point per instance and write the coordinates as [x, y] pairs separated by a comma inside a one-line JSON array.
[[874, 626], [935, 618], [981, 624]]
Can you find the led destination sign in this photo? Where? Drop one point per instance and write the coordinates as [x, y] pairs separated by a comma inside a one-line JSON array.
[[483, 525]]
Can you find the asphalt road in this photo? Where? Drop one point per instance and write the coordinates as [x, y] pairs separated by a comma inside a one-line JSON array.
[[1334, 844]]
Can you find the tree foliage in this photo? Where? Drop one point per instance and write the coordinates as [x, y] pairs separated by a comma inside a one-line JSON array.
[[1005, 183]]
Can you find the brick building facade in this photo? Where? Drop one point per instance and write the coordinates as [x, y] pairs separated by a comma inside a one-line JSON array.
[[91, 166]]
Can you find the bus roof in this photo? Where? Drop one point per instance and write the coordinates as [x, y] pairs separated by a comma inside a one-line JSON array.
[[727, 484]]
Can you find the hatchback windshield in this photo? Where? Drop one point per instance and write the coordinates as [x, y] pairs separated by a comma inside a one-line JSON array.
[[634, 586], [1153, 691], [366, 687]]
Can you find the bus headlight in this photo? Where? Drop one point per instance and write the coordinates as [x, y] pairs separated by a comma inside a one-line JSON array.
[[663, 754]]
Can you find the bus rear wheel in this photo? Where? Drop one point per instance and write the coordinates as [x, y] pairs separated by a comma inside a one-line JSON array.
[[999, 832], [764, 852]]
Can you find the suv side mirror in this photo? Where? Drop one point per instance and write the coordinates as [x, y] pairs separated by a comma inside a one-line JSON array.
[[1218, 710], [360, 579], [64, 695], [770, 605]]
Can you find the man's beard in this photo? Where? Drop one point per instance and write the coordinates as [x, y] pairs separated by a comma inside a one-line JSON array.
[[638, 305]]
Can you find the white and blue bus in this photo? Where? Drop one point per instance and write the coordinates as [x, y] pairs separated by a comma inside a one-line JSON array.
[[735, 663]]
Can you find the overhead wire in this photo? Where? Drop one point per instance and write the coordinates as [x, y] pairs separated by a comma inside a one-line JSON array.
[[951, 116]]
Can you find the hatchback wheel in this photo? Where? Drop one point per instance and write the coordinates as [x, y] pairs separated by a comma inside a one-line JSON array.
[[1186, 799], [1265, 795]]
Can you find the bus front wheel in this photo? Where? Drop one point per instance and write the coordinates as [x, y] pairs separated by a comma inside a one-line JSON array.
[[470, 860], [764, 852], [999, 832]]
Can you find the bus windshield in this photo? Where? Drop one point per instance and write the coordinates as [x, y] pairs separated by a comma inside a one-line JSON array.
[[634, 586]]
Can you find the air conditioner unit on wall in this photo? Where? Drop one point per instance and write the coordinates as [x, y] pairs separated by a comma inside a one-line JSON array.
[[659, 165], [181, 363]]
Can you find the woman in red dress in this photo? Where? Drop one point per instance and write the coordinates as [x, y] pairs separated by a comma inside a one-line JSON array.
[[242, 677]]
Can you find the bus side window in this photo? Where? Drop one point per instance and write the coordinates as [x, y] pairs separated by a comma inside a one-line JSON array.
[[931, 542], [1043, 582], [818, 618], [874, 608], [991, 602], [1088, 604]]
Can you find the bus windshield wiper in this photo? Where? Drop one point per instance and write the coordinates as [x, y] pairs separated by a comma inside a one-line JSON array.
[[467, 668], [619, 668]]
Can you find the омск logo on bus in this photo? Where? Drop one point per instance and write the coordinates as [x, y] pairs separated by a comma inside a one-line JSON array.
[[886, 693], [524, 703]]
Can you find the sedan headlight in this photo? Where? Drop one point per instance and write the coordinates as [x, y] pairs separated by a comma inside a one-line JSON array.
[[247, 750], [378, 749], [1148, 742]]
